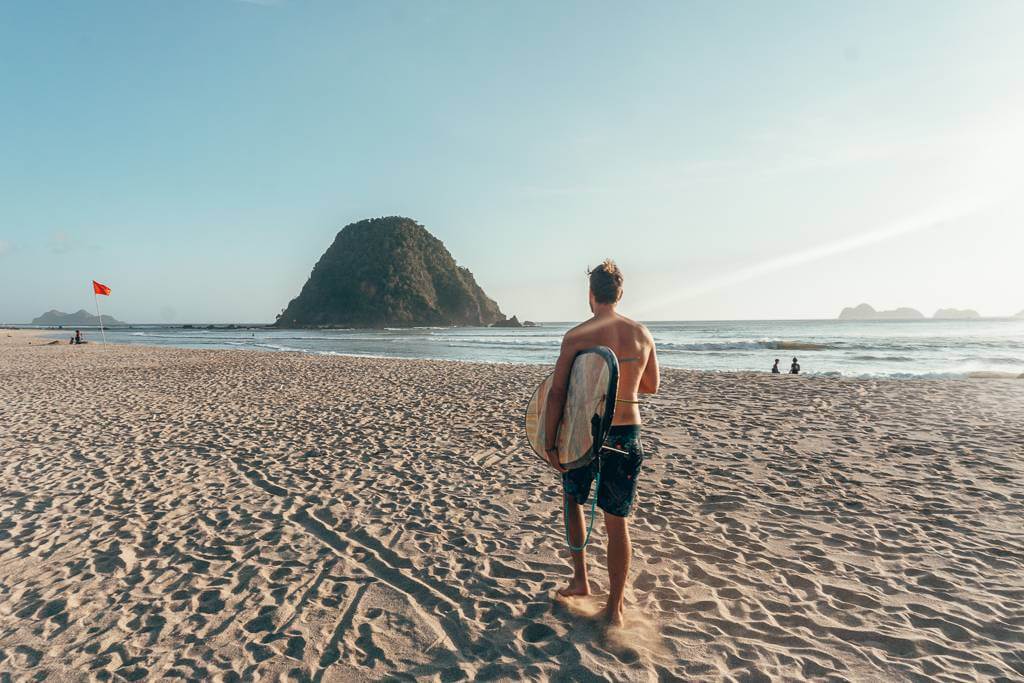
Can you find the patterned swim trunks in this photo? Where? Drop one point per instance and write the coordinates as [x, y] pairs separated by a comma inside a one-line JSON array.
[[619, 473]]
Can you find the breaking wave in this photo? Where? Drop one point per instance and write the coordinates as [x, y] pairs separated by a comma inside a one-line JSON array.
[[774, 344]]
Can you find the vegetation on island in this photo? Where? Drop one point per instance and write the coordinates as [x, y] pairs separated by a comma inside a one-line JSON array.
[[389, 272]]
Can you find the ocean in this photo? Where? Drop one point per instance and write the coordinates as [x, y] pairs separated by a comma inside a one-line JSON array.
[[880, 349]]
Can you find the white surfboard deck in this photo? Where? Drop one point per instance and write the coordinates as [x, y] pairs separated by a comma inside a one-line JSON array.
[[589, 408]]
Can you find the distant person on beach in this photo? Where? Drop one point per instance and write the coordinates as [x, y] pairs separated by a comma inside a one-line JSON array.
[[78, 336], [794, 369], [638, 374], [775, 368]]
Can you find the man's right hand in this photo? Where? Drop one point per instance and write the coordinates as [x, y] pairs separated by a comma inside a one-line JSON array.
[[552, 455]]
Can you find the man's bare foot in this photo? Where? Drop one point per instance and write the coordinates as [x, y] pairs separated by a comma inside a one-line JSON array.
[[577, 586], [613, 616]]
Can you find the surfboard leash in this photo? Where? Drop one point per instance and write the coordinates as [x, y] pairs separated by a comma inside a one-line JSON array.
[[595, 427], [593, 502]]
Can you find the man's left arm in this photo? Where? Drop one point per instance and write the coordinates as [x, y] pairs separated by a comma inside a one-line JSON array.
[[651, 377]]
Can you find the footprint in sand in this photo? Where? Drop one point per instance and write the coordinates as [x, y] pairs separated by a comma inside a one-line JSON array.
[[210, 602], [534, 633]]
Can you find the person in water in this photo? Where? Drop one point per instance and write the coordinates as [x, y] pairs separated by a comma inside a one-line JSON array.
[[794, 369], [775, 368], [638, 374]]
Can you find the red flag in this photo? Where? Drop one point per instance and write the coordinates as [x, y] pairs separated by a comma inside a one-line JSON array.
[[100, 289]]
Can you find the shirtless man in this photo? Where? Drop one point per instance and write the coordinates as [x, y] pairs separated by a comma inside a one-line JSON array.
[[638, 374]]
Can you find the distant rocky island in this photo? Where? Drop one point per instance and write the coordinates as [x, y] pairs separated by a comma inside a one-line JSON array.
[[514, 322], [81, 318], [866, 312], [956, 314], [390, 272]]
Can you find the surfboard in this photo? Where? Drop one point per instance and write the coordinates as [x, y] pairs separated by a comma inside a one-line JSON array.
[[589, 408]]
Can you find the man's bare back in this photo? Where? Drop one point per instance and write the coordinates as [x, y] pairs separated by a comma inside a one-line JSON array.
[[633, 346]]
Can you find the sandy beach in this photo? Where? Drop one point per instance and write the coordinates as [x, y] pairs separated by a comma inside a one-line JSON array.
[[235, 515]]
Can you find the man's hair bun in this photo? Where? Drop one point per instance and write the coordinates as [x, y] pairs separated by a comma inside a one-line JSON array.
[[606, 282]]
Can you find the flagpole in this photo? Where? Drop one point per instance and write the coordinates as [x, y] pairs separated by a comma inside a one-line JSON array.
[[99, 315]]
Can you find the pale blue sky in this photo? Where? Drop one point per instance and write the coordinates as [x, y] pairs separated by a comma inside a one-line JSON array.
[[740, 160]]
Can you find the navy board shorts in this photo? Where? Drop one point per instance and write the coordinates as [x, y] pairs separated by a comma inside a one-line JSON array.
[[619, 473]]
